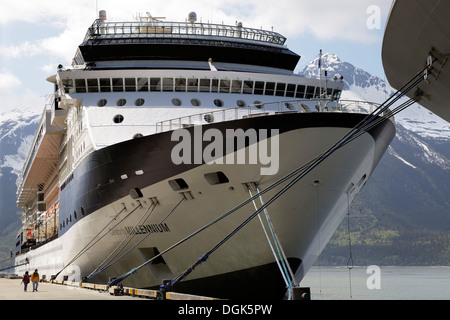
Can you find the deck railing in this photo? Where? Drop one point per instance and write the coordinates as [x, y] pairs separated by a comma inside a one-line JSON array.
[[265, 109]]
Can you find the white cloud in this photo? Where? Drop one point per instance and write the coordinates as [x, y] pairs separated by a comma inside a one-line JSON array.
[[8, 81]]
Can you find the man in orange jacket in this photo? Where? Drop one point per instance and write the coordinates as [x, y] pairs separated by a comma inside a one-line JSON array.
[[35, 280]]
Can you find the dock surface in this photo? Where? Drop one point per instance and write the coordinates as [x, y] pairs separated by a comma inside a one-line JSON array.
[[12, 289]]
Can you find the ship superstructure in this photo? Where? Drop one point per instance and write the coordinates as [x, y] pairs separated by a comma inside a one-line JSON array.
[[158, 128]]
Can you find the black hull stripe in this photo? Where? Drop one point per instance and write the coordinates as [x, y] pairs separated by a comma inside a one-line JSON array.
[[97, 182]]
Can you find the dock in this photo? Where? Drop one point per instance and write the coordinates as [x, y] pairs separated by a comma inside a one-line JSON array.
[[11, 288]]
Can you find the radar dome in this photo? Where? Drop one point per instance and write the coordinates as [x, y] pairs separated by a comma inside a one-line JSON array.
[[192, 17]]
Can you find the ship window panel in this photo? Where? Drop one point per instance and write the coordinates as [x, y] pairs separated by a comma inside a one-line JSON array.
[[180, 84], [336, 94], [281, 89], [117, 84], [248, 87], [259, 87], [310, 92], [290, 90], [236, 86], [225, 86], [270, 89], [80, 85], [319, 91], [142, 84], [214, 85], [155, 84], [167, 84], [68, 86], [300, 91], [329, 93], [192, 85], [92, 85], [118, 119], [105, 85], [130, 84], [205, 85]]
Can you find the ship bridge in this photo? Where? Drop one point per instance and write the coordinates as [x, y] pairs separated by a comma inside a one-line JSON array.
[[189, 41]]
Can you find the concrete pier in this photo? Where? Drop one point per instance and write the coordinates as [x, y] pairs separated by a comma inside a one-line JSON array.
[[12, 289]]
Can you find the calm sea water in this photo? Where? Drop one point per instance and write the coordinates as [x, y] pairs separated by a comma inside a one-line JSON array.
[[385, 283]]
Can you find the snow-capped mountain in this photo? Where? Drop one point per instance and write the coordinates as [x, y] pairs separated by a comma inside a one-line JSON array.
[[17, 129]]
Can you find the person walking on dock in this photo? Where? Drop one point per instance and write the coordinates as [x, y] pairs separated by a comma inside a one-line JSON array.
[[35, 280], [25, 281]]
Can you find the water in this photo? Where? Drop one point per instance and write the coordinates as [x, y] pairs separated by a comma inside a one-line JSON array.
[[386, 283]]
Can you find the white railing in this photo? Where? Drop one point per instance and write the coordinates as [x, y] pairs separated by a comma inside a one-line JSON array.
[[265, 109]]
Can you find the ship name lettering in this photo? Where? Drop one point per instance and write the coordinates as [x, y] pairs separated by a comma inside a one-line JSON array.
[[148, 228]]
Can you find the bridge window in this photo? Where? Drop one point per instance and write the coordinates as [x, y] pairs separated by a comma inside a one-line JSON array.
[[236, 86], [142, 84], [180, 84], [300, 91], [193, 85], [168, 84], [130, 84], [259, 87], [205, 85], [248, 87], [155, 84], [310, 92], [117, 84], [281, 88], [92, 85], [270, 89], [80, 85]]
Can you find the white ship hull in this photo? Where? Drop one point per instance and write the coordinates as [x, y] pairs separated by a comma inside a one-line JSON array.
[[305, 218]]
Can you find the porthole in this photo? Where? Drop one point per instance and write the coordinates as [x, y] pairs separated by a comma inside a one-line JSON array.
[[241, 103], [289, 105], [258, 104], [196, 102], [138, 135], [218, 103], [121, 102], [102, 102], [139, 102], [176, 102], [118, 119], [209, 118]]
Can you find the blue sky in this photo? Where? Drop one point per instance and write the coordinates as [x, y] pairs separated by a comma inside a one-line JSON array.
[[36, 36]]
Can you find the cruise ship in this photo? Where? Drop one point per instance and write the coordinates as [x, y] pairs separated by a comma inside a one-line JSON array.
[[191, 154]]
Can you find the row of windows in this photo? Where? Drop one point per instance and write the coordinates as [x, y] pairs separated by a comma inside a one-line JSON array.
[[197, 85], [176, 102]]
